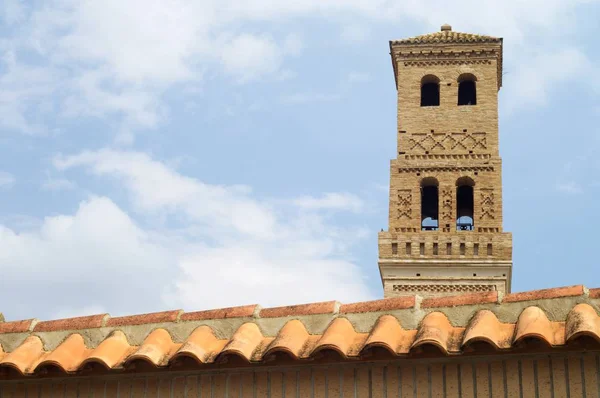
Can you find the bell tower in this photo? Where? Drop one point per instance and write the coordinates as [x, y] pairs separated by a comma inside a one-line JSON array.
[[445, 217]]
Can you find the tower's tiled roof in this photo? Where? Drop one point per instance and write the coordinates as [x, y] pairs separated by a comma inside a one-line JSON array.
[[448, 36], [403, 327]]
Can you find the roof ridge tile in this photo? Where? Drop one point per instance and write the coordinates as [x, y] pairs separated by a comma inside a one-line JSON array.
[[386, 304], [74, 323], [461, 299], [324, 307], [448, 37], [594, 292], [141, 319], [542, 294], [245, 311], [25, 325]]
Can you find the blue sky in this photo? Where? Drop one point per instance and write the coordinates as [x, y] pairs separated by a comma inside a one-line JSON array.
[[200, 154]]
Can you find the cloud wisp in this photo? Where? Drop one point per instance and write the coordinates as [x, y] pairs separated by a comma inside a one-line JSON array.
[[109, 60], [179, 242]]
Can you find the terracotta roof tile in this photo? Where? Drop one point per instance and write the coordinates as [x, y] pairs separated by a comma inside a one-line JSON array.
[[202, 345], [291, 339], [388, 304], [582, 321], [24, 358], [435, 329], [244, 341], [533, 323], [82, 322], [448, 37], [111, 351], [486, 327], [327, 307], [368, 326], [155, 349], [388, 333], [339, 336], [154, 317], [17, 326], [68, 355], [222, 313], [595, 293], [558, 292], [462, 299]]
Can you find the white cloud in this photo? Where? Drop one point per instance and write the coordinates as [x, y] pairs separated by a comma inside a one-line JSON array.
[[7, 180], [24, 93], [84, 259], [107, 58], [89, 96], [222, 206], [214, 239], [152, 45], [531, 82]]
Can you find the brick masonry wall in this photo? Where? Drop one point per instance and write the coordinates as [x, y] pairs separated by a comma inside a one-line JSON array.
[[560, 375], [446, 142]]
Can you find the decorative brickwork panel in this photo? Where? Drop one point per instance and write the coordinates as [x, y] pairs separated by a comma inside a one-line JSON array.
[[488, 211], [447, 142], [447, 195], [432, 288], [446, 169], [404, 204]]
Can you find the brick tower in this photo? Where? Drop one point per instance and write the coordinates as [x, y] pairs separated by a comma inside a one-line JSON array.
[[445, 217]]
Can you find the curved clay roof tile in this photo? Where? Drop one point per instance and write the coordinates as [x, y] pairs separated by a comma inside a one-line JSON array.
[[582, 320], [291, 339], [202, 345], [339, 336], [486, 327], [244, 341], [436, 329], [387, 333], [111, 352], [25, 356], [448, 37], [155, 349], [67, 356], [533, 322]]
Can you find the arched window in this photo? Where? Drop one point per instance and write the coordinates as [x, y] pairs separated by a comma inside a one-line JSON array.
[[430, 91], [429, 204], [467, 92], [464, 204]]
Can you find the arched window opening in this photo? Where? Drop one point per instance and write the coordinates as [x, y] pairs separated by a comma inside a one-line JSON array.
[[430, 91], [464, 204], [429, 204], [467, 92]]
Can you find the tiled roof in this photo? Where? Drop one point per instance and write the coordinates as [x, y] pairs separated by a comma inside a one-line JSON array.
[[448, 37], [401, 327]]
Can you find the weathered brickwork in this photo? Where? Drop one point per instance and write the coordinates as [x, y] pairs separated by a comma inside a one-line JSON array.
[[445, 143]]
